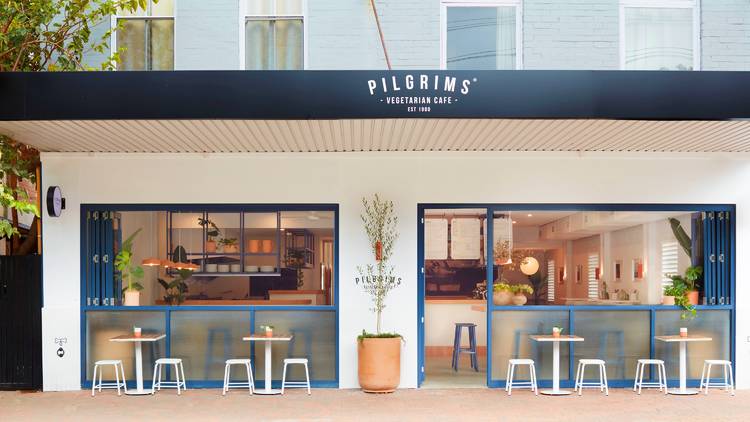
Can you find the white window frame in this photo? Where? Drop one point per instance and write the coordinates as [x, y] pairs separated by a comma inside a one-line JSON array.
[[445, 4], [244, 17], [664, 4], [113, 36]]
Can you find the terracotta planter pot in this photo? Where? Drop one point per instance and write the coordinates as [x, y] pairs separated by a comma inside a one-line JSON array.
[[210, 246], [502, 298], [267, 246], [132, 298], [231, 248], [269, 333], [519, 299], [379, 364], [253, 245], [667, 300], [692, 297]]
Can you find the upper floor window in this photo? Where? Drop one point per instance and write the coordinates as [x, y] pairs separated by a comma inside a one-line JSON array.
[[274, 34], [659, 35], [481, 35], [145, 38]]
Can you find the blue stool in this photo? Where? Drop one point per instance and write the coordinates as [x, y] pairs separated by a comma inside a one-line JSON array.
[[471, 350]]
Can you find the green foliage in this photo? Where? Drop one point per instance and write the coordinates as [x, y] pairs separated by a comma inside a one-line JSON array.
[[127, 271], [682, 238], [681, 286], [176, 288], [54, 35], [503, 286], [228, 241], [559, 329], [522, 288], [16, 161], [211, 230], [692, 275], [266, 327], [365, 335]]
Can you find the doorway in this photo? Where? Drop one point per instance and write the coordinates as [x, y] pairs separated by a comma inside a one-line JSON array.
[[452, 297]]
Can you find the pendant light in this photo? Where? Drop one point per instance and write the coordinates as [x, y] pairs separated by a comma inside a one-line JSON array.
[[151, 261], [503, 238]]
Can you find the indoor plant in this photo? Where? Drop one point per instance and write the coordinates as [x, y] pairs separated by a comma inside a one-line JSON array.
[[295, 258], [502, 293], [212, 232], [679, 292], [519, 293], [128, 272], [229, 245], [175, 289], [379, 353], [692, 274]]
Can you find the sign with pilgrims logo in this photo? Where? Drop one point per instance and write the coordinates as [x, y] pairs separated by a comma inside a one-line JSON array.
[[420, 92]]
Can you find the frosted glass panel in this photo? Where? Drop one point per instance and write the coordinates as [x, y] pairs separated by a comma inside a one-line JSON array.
[[314, 338], [714, 324], [510, 340], [658, 38], [205, 340], [104, 325], [618, 337], [481, 38], [162, 44], [131, 42], [258, 45], [288, 44]]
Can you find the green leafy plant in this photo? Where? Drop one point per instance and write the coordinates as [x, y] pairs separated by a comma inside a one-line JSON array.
[[559, 329], [265, 327], [54, 35], [18, 163], [682, 237], [228, 241], [212, 232], [295, 258], [681, 286], [380, 222], [502, 286], [176, 289], [128, 272], [365, 335], [522, 288]]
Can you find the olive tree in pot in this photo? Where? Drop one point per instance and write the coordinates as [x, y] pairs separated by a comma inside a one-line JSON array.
[[128, 272], [379, 353]]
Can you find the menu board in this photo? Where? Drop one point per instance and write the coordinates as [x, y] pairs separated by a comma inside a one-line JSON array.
[[466, 238], [436, 238]]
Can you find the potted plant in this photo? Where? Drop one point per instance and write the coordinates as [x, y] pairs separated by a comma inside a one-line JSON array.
[[295, 258], [266, 330], [379, 353], [678, 294], [670, 292], [128, 272], [212, 232], [692, 274], [229, 245], [502, 293], [556, 331], [174, 290], [519, 293]]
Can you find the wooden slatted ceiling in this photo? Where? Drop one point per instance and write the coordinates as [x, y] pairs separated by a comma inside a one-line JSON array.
[[201, 136]]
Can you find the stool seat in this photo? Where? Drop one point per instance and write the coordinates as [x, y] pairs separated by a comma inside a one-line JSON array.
[[237, 361], [651, 361], [295, 360], [727, 384], [591, 361], [108, 362], [718, 362], [521, 361], [168, 361]]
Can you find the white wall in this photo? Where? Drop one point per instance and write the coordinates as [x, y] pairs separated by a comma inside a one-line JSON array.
[[407, 179]]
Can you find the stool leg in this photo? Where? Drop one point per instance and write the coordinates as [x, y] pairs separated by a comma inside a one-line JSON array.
[[93, 381], [606, 384], [124, 382], [177, 377], [731, 378], [708, 378], [226, 374], [640, 379], [473, 347], [635, 379], [117, 380], [703, 377], [153, 383], [578, 376], [726, 379], [158, 381], [100, 379], [507, 376], [533, 379], [510, 386], [184, 381], [663, 370], [601, 378], [283, 379], [249, 379], [307, 377], [658, 372]]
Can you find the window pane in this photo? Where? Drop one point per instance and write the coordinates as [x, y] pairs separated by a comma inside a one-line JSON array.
[[288, 44], [288, 7], [162, 44], [131, 38], [163, 8], [714, 324], [137, 12], [260, 7], [258, 45], [658, 39], [481, 38]]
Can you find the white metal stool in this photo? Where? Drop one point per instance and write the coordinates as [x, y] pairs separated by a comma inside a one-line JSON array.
[[238, 384], [639, 368], [601, 385], [157, 383], [285, 383], [119, 371], [727, 385], [509, 383]]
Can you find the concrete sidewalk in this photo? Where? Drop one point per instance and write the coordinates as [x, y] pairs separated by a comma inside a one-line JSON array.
[[352, 405]]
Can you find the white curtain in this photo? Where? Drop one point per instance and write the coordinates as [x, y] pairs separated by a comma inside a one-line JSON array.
[[658, 38]]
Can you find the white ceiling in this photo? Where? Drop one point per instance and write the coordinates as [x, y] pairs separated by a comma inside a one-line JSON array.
[[209, 136]]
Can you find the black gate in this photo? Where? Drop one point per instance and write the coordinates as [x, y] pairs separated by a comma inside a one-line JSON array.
[[20, 322]]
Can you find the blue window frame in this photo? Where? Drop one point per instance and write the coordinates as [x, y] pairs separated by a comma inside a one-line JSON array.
[[99, 283], [719, 224]]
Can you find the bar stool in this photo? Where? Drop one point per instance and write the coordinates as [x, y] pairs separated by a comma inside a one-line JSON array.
[[727, 385], [509, 383], [227, 372], [157, 384], [285, 383], [639, 368], [472, 349], [117, 364], [601, 385]]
